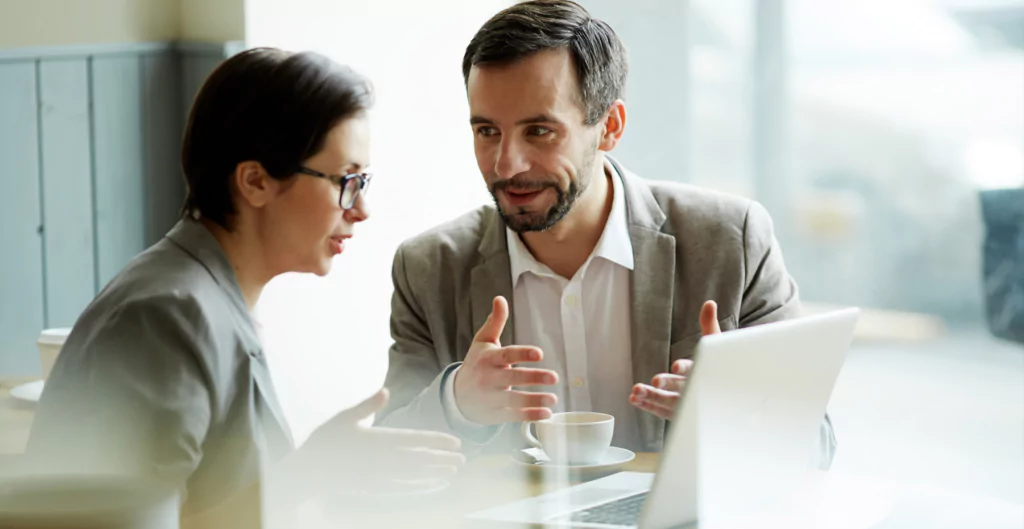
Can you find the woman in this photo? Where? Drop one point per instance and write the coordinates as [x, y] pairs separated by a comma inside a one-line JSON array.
[[163, 375]]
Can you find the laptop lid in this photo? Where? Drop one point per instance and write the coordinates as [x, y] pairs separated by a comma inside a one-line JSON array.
[[753, 406]]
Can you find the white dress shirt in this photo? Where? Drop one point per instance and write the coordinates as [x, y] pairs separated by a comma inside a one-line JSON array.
[[582, 324]]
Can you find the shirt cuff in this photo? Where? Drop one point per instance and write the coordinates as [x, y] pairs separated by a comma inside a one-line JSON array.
[[458, 422]]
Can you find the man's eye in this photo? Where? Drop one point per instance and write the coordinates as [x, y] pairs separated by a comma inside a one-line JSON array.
[[539, 131], [486, 131]]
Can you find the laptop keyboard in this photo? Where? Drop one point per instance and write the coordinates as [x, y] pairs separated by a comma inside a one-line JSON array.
[[623, 511]]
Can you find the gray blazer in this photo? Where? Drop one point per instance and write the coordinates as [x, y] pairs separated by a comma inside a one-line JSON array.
[[689, 245], [164, 376]]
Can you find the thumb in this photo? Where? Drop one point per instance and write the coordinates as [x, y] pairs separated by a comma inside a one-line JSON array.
[[366, 408], [495, 324], [709, 319]]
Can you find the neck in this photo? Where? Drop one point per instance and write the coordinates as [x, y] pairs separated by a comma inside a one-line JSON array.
[[568, 244], [243, 251]]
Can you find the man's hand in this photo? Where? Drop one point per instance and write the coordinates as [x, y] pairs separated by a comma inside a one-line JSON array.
[[483, 384], [661, 397]]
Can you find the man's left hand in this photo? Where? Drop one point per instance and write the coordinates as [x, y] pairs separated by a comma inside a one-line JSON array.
[[662, 395]]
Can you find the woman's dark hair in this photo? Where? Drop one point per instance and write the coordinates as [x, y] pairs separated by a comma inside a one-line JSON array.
[[265, 105]]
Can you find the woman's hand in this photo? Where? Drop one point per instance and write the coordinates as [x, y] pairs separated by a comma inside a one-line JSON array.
[[343, 455]]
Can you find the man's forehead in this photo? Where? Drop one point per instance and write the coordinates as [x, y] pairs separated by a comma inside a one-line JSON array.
[[542, 82]]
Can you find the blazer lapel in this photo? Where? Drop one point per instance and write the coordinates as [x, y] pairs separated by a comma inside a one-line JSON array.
[[492, 277], [653, 286], [275, 426], [653, 278]]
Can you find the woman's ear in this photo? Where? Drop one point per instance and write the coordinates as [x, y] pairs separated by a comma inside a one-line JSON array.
[[253, 184]]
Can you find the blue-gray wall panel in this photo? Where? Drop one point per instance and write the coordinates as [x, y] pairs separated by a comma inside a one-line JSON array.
[[118, 162], [162, 131], [21, 264], [195, 68], [90, 139], [67, 189]]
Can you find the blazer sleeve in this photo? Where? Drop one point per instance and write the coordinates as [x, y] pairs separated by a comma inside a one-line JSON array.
[[769, 293], [132, 398], [415, 377]]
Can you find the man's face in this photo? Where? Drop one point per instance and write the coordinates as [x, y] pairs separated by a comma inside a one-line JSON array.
[[532, 146]]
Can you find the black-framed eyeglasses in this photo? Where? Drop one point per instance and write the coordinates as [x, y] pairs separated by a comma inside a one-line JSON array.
[[352, 185]]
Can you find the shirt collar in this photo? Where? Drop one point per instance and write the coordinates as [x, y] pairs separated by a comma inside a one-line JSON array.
[[614, 245], [191, 236]]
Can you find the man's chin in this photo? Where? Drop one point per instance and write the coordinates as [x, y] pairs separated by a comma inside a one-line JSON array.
[[537, 216], [525, 222]]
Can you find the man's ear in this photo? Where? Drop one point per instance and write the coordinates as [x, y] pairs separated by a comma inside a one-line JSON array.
[[614, 125]]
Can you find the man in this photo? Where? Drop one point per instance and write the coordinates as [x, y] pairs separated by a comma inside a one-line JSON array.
[[612, 279]]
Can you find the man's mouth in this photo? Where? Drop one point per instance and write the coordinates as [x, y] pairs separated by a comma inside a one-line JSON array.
[[522, 196]]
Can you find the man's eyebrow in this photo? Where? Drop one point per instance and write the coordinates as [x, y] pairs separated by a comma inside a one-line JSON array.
[[539, 118]]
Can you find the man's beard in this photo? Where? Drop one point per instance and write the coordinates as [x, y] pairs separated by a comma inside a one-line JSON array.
[[521, 221]]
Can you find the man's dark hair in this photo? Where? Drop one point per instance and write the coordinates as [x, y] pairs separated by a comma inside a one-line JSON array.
[[530, 27], [265, 105]]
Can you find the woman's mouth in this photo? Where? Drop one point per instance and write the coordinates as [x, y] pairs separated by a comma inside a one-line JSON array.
[[338, 244]]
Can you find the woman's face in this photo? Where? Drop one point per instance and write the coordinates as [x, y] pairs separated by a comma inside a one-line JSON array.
[[304, 227]]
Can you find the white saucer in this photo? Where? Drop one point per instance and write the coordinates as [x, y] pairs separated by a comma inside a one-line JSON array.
[[29, 392], [535, 458]]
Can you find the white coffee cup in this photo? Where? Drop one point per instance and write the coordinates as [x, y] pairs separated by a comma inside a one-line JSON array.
[[50, 342], [573, 438]]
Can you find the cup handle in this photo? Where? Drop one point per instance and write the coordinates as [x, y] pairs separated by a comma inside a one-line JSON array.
[[528, 435]]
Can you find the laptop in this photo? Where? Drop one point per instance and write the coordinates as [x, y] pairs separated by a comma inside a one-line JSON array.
[[741, 441]]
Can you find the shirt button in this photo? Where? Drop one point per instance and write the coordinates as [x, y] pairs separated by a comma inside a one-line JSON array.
[[572, 301], [578, 382]]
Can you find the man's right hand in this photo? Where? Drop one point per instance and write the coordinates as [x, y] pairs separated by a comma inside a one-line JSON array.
[[483, 384]]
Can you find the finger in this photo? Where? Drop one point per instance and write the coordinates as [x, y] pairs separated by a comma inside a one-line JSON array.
[[525, 376], [421, 457], [524, 414], [491, 330], [402, 438], [364, 409], [419, 484], [669, 382], [682, 367], [432, 473], [709, 318], [406, 469], [515, 354], [386, 484], [405, 486], [659, 397], [651, 407], [528, 399]]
